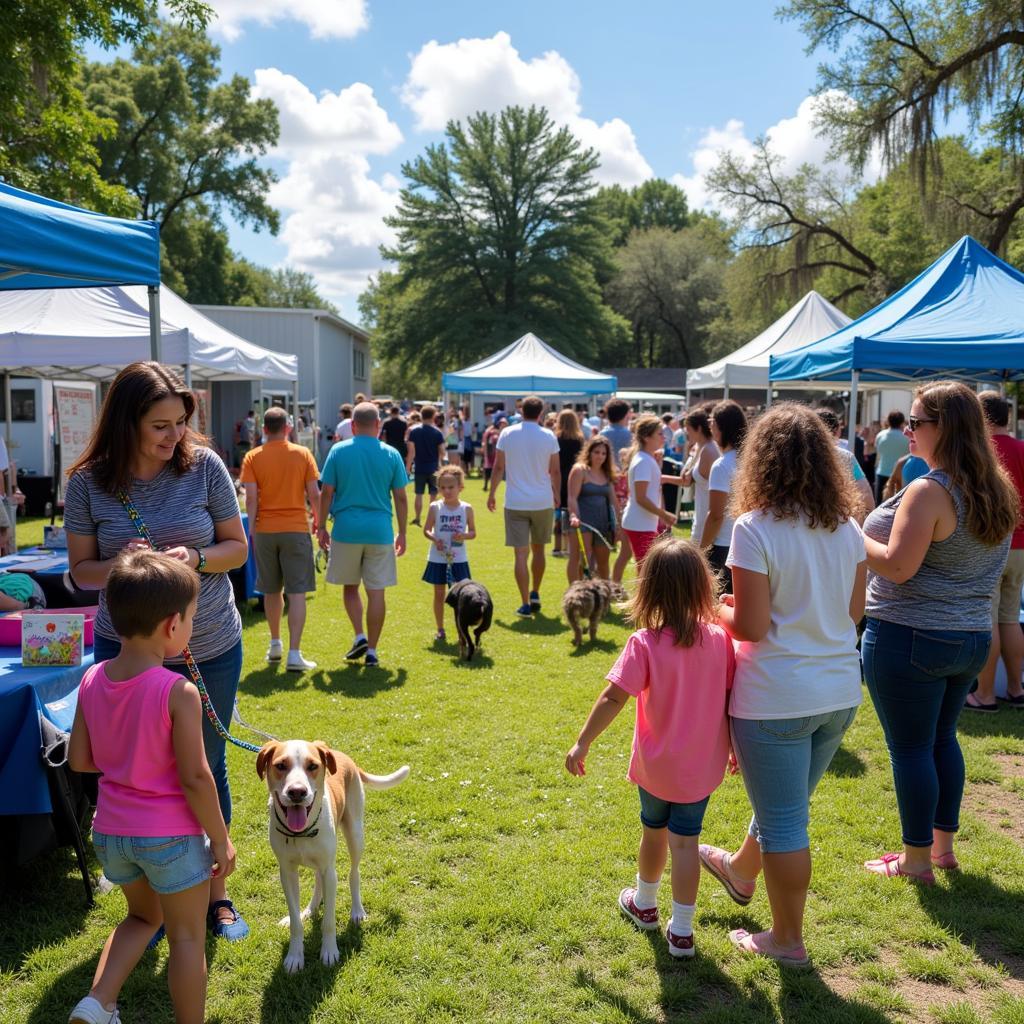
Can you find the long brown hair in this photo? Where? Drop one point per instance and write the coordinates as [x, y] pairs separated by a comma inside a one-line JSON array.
[[568, 426], [791, 467], [115, 438], [965, 453], [676, 590], [598, 441]]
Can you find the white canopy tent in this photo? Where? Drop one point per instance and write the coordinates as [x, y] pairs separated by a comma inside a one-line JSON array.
[[810, 320], [91, 333]]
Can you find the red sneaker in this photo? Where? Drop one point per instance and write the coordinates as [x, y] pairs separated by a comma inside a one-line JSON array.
[[680, 946], [646, 919]]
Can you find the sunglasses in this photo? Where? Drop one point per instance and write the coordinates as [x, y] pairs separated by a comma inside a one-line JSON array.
[[915, 422]]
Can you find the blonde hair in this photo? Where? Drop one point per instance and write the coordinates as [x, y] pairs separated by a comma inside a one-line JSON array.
[[643, 427], [597, 441], [965, 453], [569, 425], [455, 471], [792, 467], [676, 590]]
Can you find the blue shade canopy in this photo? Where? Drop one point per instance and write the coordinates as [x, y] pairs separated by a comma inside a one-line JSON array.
[[46, 244], [529, 366], [962, 316]]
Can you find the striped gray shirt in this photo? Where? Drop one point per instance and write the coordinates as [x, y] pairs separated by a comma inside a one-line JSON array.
[[178, 510]]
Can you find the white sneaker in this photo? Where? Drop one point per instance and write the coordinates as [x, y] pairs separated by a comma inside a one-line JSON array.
[[90, 1011], [275, 652], [297, 663]]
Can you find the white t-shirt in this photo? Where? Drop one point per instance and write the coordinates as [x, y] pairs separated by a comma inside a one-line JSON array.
[[447, 522], [807, 664], [528, 448], [643, 467], [343, 431], [723, 469]]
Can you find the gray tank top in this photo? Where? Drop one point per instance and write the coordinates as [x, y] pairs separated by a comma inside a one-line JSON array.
[[953, 587]]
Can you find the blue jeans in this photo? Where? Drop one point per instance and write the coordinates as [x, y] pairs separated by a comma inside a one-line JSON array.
[[918, 680], [782, 761], [221, 675], [680, 819]]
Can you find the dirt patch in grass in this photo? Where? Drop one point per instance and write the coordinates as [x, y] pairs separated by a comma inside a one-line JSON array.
[[1012, 765], [1001, 808]]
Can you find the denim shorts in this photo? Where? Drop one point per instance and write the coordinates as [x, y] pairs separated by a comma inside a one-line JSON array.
[[681, 819], [169, 863]]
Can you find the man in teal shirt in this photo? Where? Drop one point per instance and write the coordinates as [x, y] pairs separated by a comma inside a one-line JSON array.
[[360, 478]]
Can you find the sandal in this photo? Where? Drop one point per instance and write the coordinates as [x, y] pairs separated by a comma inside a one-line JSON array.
[[1016, 702], [764, 944], [715, 862], [946, 861], [979, 706], [888, 865]]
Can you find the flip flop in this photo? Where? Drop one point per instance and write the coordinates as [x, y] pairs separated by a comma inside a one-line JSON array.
[[978, 706], [888, 866], [763, 944], [1016, 702]]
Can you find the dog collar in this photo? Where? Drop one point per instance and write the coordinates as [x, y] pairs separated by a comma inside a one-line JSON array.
[[307, 833]]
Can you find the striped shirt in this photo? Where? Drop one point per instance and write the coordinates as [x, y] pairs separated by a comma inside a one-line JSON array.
[[178, 510]]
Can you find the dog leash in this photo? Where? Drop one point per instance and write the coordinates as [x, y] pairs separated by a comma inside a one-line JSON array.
[[197, 677]]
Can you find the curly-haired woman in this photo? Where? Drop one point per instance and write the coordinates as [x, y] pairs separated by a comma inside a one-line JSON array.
[[936, 551], [797, 559]]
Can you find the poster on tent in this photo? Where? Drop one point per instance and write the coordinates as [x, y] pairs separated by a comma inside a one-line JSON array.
[[76, 414], [202, 408]]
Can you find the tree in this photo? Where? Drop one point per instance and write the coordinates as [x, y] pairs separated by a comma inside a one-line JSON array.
[[902, 67], [654, 204], [48, 134], [497, 234], [670, 287], [186, 146]]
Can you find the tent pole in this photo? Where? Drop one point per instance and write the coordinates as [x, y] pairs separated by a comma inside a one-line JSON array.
[[688, 403], [188, 376], [768, 397], [7, 411], [852, 425], [725, 390], [155, 347], [295, 402]]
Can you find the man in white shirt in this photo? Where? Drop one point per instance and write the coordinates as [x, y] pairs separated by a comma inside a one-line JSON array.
[[527, 456]]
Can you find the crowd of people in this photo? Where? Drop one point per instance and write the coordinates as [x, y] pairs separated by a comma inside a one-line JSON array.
[[745, 655]]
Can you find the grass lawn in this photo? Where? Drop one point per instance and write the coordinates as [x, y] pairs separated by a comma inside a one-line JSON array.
[[490, 876]]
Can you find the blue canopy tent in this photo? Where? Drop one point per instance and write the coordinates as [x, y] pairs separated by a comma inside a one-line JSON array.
[[46, 244], [961, 317]]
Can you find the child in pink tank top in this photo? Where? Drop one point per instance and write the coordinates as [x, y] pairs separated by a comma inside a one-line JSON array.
[[140, 725], [679, 665]]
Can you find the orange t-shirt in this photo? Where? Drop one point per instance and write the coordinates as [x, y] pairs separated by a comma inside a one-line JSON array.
[[280, 470]]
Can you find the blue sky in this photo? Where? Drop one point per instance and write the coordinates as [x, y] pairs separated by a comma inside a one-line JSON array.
[[658, 88]]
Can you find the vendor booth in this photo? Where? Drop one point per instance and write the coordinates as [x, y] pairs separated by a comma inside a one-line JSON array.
[[810, 320], [962, 317]]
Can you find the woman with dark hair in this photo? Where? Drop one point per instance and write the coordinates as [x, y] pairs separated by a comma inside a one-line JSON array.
[[936, 551], [592, 503], [728, 428], [797, 559], [143, 451], [698, 435]]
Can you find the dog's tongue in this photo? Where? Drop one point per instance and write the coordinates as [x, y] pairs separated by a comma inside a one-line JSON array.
[[297, 815]]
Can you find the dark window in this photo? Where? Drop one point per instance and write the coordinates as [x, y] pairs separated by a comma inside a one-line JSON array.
[[23, 405], [359, 364]]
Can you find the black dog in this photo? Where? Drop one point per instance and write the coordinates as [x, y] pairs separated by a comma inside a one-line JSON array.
[[473, 607]]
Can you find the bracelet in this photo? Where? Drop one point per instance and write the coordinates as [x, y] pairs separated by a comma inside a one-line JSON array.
[[201, 564]]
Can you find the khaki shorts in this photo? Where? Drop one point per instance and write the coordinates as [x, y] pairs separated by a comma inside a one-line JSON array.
[[284, 561], [1006, 599], [373, 565], [528, 526]]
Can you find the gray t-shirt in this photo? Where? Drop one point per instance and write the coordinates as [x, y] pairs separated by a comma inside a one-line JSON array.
[[619, 436], [177, 510]]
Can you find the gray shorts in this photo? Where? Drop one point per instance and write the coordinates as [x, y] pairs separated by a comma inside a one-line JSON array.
[[169, 863], [284, 561], [524, 527]]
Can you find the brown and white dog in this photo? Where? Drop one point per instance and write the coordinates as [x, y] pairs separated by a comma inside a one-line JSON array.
[[313, 790]]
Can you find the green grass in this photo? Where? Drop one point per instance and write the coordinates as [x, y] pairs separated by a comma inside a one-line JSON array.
[[490, 877]]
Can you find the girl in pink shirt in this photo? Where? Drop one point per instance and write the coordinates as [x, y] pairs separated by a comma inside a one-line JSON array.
[[140, 725], [679, 665]]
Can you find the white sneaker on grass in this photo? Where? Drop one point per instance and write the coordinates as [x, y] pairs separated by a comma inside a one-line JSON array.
[[90, 1011], [275, 652], [297, 663]]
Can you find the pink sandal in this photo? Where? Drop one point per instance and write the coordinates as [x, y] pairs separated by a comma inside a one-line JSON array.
[[888, 865], [764, 944], [715, 862]]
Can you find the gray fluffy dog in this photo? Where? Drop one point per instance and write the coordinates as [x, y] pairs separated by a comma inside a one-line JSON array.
[[589, 599]]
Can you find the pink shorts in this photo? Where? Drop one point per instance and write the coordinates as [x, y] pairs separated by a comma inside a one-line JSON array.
[[640, 541]]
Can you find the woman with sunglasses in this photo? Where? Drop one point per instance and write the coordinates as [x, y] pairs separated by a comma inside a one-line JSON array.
[[935, 552]]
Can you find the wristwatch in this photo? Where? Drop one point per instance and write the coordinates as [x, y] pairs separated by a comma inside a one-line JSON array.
[[201, 564]]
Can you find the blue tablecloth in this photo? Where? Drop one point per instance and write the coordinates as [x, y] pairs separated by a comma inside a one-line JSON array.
[[25, 693]]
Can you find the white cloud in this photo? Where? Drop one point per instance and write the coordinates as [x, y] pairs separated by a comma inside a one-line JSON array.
[[326, 19], [795, 140], [334, 209], [452, 80]]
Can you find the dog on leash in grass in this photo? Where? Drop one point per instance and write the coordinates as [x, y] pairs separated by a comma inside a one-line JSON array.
[[473, 608], [589, 600], [313, 791]]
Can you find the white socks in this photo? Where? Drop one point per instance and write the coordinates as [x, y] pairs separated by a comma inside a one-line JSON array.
[[646, 893], [681, 922]]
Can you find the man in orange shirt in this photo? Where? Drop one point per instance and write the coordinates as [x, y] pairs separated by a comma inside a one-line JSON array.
[[279, 478]]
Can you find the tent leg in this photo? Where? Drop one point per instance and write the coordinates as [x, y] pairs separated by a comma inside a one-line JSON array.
[[852, 425], [155, 347], [188, 376], [768, 397], [689, 404], [7, 411], [725, 392]]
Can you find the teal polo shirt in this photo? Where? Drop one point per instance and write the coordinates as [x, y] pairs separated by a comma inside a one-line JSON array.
[[363, 472]]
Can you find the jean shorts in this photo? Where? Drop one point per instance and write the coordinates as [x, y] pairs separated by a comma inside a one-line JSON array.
[[681, 819], [169, 863]]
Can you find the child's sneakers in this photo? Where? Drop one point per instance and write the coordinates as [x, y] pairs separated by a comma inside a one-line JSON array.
[[90, 1011], [645, 919], [680, 946]]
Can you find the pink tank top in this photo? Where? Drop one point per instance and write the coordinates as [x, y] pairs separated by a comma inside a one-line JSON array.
[[130, 731]]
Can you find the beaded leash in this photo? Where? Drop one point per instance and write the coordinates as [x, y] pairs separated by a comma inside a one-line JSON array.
[[190, 662]]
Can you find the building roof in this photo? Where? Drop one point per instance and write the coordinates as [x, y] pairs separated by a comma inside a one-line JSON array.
[[643, 378], [323, 314]]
